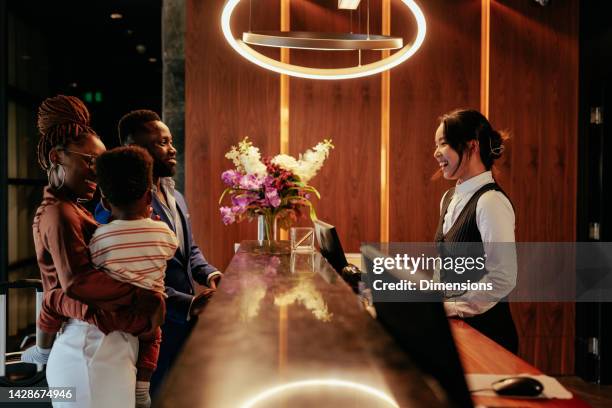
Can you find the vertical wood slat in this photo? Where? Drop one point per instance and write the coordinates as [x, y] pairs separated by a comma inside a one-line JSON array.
[[385, 135], [485, 56]]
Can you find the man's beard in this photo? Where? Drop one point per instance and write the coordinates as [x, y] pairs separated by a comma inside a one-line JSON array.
[[163, 169]]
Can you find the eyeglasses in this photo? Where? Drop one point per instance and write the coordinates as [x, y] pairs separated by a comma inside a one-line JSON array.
[[90, 159]]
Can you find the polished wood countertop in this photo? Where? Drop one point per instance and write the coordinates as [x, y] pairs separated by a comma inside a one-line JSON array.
[[481, 355], [280, 319]]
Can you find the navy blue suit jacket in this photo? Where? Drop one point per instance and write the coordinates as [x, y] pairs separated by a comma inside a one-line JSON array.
[[182, 270]]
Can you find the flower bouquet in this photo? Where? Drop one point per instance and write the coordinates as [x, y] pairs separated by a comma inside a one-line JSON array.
[[276, 187]]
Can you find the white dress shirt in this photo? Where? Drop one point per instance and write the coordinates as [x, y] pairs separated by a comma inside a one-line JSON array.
[[167, 188], [495, 222]]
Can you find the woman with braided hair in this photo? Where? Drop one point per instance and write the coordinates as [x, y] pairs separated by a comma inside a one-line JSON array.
[[94, 352]]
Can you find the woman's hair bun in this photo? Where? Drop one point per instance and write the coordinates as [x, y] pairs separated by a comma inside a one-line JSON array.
[[497, 141]]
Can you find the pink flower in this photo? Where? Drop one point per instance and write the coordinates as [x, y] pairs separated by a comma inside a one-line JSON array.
[[227, 215], [272, 197], [242, 201], [230, 177], [250, 182]]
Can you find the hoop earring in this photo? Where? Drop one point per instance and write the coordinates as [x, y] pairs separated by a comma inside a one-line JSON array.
[[103, 206], [56, 176]]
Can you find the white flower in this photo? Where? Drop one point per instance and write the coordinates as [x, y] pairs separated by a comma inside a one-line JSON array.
[[286, 162], [246, 158], [308, 164]]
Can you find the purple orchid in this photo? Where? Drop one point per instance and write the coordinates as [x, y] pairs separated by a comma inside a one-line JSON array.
[[242, 201], [250, 182], [227, 215], [230, 177], [272, 197]]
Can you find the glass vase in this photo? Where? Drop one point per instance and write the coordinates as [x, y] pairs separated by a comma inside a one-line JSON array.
[[270, 243], [270, 228]]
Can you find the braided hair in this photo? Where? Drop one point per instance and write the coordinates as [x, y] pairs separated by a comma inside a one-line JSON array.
[[61, 120]]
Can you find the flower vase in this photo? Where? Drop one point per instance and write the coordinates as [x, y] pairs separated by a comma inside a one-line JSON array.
[[270, 228], [270, 243]]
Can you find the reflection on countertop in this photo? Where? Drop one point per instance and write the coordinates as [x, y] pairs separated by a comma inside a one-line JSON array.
[[261, 278], [288, 322]]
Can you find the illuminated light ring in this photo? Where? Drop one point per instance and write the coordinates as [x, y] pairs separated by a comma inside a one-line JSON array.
[[324, 73], [271, 392]]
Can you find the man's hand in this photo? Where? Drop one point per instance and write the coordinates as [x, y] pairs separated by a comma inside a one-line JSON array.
[[200, 301], [155, 217], [214, 281]]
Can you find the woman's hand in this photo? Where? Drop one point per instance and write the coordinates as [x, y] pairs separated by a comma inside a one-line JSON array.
[[143, 399]]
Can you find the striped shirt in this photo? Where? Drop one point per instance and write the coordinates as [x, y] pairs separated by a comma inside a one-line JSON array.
[[134, 251]]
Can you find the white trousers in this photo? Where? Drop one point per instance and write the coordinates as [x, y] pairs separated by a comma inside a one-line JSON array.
[[101, 367]]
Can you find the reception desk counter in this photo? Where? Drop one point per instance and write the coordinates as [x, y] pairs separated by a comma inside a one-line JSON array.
[[286, 331], [481, 355]]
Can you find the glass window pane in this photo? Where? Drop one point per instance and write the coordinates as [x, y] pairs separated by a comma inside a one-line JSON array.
[[22, 142], [28, 67], [22, 205], [21, 304]]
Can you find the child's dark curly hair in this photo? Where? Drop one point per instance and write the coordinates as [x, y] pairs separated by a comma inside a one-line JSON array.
[[124, 174]]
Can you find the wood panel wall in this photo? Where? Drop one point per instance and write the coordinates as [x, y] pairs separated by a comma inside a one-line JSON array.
[[347, 112], [442, 76], [227, 98], [533, 93]]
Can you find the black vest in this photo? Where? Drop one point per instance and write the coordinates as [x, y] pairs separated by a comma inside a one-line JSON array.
[[464, 231], [497, 322]]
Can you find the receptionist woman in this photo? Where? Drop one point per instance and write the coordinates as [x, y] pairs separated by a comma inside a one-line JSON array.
[[477, 210]]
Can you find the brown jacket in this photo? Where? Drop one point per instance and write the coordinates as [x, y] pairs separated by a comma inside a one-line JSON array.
[[74, 289]]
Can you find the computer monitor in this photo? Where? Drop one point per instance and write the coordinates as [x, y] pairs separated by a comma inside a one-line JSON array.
[[329, 245], [421, 328]]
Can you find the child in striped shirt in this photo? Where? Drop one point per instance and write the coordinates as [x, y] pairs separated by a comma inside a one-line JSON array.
[[132, 248]]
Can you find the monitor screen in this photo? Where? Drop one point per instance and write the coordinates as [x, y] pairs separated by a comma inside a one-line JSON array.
[[421, 328], [329, 245]]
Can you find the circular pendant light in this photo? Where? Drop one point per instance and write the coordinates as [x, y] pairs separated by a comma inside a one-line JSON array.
[[242, 48], [307, 40]]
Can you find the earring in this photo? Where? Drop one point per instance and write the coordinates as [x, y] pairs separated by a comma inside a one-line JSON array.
[[56, 176], [102, 205]]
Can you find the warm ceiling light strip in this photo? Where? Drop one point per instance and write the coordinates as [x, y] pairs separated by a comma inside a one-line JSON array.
[[485, 56], [285, 25], [385, 133], [324, 73]]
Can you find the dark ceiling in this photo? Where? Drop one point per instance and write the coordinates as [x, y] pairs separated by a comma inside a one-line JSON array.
[[87, 52]]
